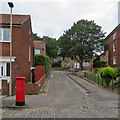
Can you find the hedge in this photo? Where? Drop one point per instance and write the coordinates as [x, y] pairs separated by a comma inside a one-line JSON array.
[[42, 60], [99, 64], [107, 73]]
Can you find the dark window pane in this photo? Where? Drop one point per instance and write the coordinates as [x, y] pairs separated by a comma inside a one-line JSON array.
[[8, 69], [1, 70]]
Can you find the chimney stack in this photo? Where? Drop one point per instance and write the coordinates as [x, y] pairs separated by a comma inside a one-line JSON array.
[[118, 12]]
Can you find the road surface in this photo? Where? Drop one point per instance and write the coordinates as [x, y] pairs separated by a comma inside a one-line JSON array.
[[64, 98]]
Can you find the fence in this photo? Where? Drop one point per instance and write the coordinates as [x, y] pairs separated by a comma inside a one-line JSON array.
[[114, 85]]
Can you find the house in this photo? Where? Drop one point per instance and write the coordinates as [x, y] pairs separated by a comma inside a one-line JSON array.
[[113, 41], [22, 47], [86, 65], [104, 57], [76, 65], [40, 47]]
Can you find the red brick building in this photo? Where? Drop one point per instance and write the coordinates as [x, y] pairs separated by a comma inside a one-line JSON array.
[[22, 47], [113, 41], [40, 47]]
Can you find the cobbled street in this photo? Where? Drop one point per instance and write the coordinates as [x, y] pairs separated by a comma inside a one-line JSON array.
[[66, 99]]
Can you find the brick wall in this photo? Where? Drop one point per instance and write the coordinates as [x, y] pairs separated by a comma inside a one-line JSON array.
[[21, 40], [5, 87], [39, 72], [110, 42], [32, 88]]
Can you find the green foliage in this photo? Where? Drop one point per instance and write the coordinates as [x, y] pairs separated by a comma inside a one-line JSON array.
[[42, 60], [99, 64], [118, 72], [36, 37], [56, 64], [107, 73], [51, 47], [29, 82], [83, 40]]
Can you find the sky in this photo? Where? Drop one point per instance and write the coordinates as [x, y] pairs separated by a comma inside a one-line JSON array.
[[52, 17]]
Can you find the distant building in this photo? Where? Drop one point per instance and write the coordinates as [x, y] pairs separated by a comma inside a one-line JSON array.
[[40, 47], [76, 65], [113, 41]]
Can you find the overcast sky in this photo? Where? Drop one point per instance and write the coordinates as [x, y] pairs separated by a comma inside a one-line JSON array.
[[52, 17]]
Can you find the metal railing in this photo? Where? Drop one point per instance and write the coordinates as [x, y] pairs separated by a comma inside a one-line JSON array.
[[114, 85]]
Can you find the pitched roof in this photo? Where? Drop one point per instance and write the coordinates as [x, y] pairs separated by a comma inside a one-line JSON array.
[[39, 44], [16, 19], [118, 27]]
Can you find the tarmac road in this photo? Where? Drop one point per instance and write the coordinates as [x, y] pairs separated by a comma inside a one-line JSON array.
[[64, 98]]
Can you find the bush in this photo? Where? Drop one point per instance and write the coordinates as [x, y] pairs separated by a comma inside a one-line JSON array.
[[99, 64], [107, 74], [42, 60], [56, 64], [118, 72]]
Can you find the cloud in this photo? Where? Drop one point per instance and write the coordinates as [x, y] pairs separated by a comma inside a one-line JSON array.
[[52, 17]]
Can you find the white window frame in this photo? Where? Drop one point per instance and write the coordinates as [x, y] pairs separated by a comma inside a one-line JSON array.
[[2, 35], [36, 51], [29, 53], [4, 70], [78, 65], [114, 36], [114, 60], [114, 47]]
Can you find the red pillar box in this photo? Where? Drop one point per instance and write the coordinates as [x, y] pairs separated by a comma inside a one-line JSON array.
[[20, 91]]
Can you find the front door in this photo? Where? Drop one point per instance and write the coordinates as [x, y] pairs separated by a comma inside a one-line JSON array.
[[4, 72]]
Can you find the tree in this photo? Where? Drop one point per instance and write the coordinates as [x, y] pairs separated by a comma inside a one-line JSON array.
[[36, 37], [64, 45], [51, 47], [85, 40]]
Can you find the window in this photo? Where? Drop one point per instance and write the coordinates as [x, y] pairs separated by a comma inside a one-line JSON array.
[[29, 53], [1, 70], [86, 63], [78, 65], [114, 60], [114, 36], [8, 69], [114, 47], [37, 51], [5, 70], [4, 35]]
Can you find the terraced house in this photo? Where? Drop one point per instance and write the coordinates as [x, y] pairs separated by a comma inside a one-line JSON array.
[[113, 41], [22, 47]]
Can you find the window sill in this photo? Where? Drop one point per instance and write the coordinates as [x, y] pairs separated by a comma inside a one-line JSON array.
[[4, 41]]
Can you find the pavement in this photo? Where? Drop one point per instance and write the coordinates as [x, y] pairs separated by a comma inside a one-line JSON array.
[[64, 98]]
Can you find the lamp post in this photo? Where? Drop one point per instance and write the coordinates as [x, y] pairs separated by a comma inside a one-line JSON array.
[[10, 82]]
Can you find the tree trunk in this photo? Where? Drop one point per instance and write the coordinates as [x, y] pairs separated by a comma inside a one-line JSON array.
[[81, 65]]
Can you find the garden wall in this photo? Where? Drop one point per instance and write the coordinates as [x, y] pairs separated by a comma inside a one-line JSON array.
[[32, 88]]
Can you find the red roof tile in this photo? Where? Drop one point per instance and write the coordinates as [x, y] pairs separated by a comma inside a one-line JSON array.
[[39, 44], [16, 19]]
